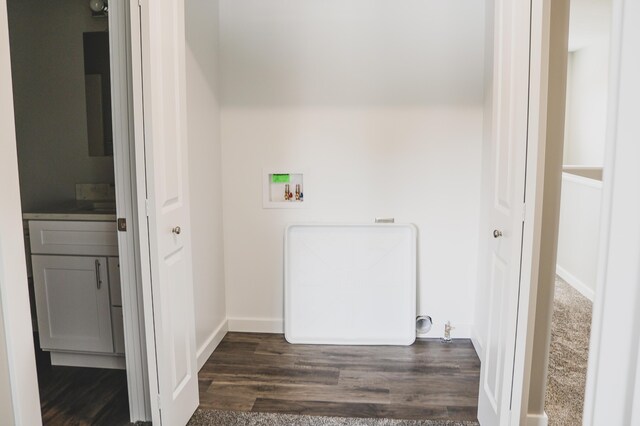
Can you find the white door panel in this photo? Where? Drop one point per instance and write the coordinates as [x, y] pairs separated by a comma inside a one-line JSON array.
[[504, 238], [72, 302], [165, 138]]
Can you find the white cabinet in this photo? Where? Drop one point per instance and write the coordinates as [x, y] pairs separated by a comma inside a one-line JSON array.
[[118, 330], [72, 301], [73, 237], [116, 305], [76, 276], [114, 281]]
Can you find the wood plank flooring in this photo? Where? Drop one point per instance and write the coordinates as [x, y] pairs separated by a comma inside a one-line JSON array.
[[264, 373], [77, 396]]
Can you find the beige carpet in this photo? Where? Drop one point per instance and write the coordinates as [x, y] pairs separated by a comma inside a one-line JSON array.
[[203, 417], [570, 332]]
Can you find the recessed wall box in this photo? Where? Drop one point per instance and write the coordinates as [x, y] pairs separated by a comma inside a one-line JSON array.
[[280, 189]]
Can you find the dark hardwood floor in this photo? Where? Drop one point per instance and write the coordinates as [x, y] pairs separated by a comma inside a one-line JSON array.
[[262, 372], [81, 396]]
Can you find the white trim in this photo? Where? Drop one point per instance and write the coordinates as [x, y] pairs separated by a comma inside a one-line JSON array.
[[537, 419], [276, 326], [476, 342], [592, 183], [14, 296], [531, 240], [141, 200], [612, 390], [128, 244], [459, 331], [116, 362], [256, 325], [212, 342], [605, 215], [585, 168], [574, 282]]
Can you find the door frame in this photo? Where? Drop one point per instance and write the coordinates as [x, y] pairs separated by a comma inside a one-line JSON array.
[[17, 348], [612, 393], [129, 242], [16, 315], [547, 72], [613, 375], [141, 206], [23, 382], [539, 51]]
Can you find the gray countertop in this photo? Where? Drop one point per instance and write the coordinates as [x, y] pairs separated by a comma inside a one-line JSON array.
[[72, 212]]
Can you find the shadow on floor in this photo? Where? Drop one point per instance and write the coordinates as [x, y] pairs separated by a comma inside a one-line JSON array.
[[81, 396]]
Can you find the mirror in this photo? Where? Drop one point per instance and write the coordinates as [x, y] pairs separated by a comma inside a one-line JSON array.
[[97, 80]]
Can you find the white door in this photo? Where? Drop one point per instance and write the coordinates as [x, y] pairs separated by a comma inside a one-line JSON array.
[[508, 154], [72, 302], [162, 39]]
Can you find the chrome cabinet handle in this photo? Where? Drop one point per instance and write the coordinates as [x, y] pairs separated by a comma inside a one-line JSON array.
[[497, 233], [98, 279], [176, 230]]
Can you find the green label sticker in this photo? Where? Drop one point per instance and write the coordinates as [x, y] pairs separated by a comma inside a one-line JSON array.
[[280, 178]]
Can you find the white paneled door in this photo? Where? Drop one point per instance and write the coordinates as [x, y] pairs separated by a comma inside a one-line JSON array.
[[504, 238], [162, 49]]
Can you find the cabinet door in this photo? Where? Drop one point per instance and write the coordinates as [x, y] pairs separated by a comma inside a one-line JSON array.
[[114, 281], [72, 302], [118, 329]]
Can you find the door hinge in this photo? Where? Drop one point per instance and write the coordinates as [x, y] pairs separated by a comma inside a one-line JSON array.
[[524, 211], [122, 224], [146, 207], [159, 402]]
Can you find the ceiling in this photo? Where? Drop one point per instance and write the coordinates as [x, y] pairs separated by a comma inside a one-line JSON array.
[[351, 52]]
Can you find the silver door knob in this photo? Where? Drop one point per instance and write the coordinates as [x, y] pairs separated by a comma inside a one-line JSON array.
[[497, 233], [176, 230]]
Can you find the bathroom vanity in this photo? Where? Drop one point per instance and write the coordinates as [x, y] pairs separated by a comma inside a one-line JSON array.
[[77, 287]]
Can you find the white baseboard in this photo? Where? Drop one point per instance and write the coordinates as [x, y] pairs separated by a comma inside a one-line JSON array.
[[256, 325], [574, 282], [476, 343], [269, 325], [460, 331], [212, 342], [537, 419]]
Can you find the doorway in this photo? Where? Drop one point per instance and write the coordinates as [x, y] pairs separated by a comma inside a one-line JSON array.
[[580, 208], [70, 69]]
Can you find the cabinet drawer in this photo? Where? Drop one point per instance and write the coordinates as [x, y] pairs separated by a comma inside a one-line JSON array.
[[68, 237], [114, 281], [118, 330]]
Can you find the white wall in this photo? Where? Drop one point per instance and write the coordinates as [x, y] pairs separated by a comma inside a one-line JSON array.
[[380, 104], [337, 53], [205, 173], [586, 114], [6, 400], [16, 338], [612, 396], [48, 69], [578, 237]]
